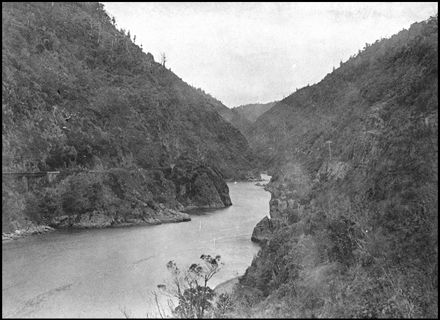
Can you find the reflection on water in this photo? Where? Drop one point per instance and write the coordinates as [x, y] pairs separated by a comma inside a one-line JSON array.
[[99, 273]]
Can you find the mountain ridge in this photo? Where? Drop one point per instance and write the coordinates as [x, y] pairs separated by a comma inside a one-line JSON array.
[[353, 228], [79, 94], [253, 111]]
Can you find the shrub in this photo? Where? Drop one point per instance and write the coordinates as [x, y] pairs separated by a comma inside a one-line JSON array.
[[190, 288]]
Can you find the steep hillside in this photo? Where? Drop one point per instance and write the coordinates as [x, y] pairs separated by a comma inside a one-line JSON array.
[[354, 228], [252, 111], [78, 94], [238, 120]]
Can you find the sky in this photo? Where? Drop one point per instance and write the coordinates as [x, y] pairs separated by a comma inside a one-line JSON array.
[[248, 52]]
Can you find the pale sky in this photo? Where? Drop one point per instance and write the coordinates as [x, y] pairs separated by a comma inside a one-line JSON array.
[[260, 52]]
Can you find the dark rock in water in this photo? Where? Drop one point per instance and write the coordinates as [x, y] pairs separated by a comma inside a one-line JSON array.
[[262, 231]]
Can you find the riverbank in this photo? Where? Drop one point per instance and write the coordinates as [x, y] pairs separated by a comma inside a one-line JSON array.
[[40, 229], [24, 232], [227, 286], [95, 220]]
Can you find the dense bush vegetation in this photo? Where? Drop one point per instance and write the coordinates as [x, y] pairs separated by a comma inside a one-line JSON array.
[[78, 93], [117, 100], [355, 188], [119, 194]]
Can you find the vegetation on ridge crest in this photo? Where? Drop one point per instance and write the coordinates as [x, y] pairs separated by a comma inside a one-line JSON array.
[[78, 94], [354, 189]]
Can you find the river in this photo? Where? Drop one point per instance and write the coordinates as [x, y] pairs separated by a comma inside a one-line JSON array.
[[101, 272]]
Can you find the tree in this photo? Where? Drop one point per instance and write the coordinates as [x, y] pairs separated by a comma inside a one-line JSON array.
[[329, 148], [163, 58], [191, 288]]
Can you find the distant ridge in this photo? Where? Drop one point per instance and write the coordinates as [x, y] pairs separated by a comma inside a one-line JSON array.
[[252, 111]]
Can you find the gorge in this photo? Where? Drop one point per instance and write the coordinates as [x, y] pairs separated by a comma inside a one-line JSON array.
[[347, 226]]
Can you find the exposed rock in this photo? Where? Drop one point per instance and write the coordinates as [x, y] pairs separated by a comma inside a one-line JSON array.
[[170, 215], [199, 186], [100, 220], [152, 220], [285, 204], [29, 230], [94, 220], [258, 184], [64, 221], [6, 237], [262, 231]]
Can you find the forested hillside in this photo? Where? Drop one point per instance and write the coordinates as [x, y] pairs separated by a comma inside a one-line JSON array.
[[354, 226], [238, 120], [79, 94], [253, 111]]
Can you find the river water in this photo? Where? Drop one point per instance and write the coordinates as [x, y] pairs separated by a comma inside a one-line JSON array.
[[101, 273]]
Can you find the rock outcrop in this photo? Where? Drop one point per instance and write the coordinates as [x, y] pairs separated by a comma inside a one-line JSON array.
[[101, 220], [29, 230], [263, 231], [199, 186]]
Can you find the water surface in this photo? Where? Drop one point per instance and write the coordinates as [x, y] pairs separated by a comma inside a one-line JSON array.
[[99, 273]]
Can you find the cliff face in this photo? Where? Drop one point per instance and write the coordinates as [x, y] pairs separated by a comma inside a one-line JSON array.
[[79, 96], [199, 186], [353, 227]]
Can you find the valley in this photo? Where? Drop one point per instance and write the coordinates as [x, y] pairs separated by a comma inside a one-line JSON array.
[[321, 204]]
